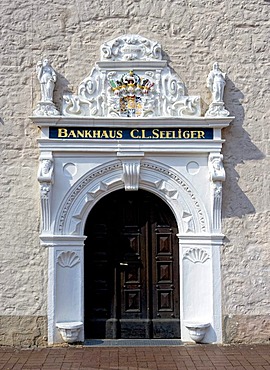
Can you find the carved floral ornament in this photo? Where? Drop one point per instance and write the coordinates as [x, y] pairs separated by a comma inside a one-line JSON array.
[[131, 80]]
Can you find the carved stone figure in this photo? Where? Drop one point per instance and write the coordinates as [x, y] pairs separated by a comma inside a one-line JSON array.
[[45, 178], [216, 82], [47, 78], [217, 172], [45, 171], [46, 166], [217, 176]]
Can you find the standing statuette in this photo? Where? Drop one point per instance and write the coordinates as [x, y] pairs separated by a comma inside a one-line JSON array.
[[216, 82], [47, 79]]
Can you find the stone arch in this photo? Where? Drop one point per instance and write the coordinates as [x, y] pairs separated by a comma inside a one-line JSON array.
[[169, 185]]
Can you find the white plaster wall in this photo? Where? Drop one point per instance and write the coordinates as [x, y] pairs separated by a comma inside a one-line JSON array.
[[193, 35]]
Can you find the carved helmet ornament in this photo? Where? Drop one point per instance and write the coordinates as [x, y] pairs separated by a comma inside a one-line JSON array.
[[132, 80]]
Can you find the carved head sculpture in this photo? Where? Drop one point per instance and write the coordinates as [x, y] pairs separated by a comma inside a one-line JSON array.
[[46, 166], [217, 163], [45, 62], [216, 66]]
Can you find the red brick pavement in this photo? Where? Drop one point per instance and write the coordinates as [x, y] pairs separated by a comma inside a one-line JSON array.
[[188, 357]]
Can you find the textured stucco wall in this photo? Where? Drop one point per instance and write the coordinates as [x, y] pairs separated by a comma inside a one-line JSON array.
[[193, 34]]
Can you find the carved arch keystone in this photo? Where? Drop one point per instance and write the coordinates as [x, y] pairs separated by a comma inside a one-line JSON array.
[[131, 173]]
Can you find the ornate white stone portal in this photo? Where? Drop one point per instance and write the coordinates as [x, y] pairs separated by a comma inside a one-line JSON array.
[[132, 125]]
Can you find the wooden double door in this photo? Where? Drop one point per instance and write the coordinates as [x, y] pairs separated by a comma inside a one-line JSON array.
[[131, 268]]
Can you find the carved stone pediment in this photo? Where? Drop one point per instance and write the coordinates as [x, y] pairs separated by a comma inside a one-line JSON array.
[[131, 80]]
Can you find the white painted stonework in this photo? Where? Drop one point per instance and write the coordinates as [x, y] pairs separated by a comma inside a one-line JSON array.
[[187, 174]]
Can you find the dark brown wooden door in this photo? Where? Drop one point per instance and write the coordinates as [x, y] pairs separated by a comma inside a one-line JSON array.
[[131, 268]]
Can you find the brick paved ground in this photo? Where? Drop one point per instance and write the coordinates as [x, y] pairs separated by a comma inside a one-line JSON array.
[[201, 357]]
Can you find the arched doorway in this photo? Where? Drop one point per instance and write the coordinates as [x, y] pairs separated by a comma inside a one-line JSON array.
[[131, 268]]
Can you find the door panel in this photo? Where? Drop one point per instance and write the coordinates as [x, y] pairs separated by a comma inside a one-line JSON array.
[[131, 268]]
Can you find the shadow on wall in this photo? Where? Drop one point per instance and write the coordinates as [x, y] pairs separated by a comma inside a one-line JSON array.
[[237, 149], [62, 87]]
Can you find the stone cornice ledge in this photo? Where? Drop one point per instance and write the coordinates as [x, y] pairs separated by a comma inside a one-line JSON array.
[[62, 240], [201, 239], [64, 121]]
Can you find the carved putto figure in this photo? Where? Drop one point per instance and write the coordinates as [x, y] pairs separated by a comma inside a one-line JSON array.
[[216, 82], [47, 78]]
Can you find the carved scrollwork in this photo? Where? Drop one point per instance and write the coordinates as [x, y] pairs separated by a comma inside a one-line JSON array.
[[72, 105], [217, 110], [91, 97], [130, 47], [144, 91], [46, 109], [175, 102]]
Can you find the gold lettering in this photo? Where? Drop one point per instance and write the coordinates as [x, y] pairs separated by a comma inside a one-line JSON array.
[[104, 135], [144, 136], [96, 134], [186, 134], [135, 134], [155, 133], [112, 134], [193, 134], [80, 133], [170, 135], [180, 134], [87, 133], [62, 132], [119, 134], [162, 134], [201, 135], [72, 133]]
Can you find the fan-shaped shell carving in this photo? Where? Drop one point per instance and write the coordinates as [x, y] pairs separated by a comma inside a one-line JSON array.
[[196, 255], [68, 259]]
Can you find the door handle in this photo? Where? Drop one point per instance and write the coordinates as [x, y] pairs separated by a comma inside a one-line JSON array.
[[123, 264]]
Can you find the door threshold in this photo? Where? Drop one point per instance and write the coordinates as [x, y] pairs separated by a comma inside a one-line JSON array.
[[132, 342]]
